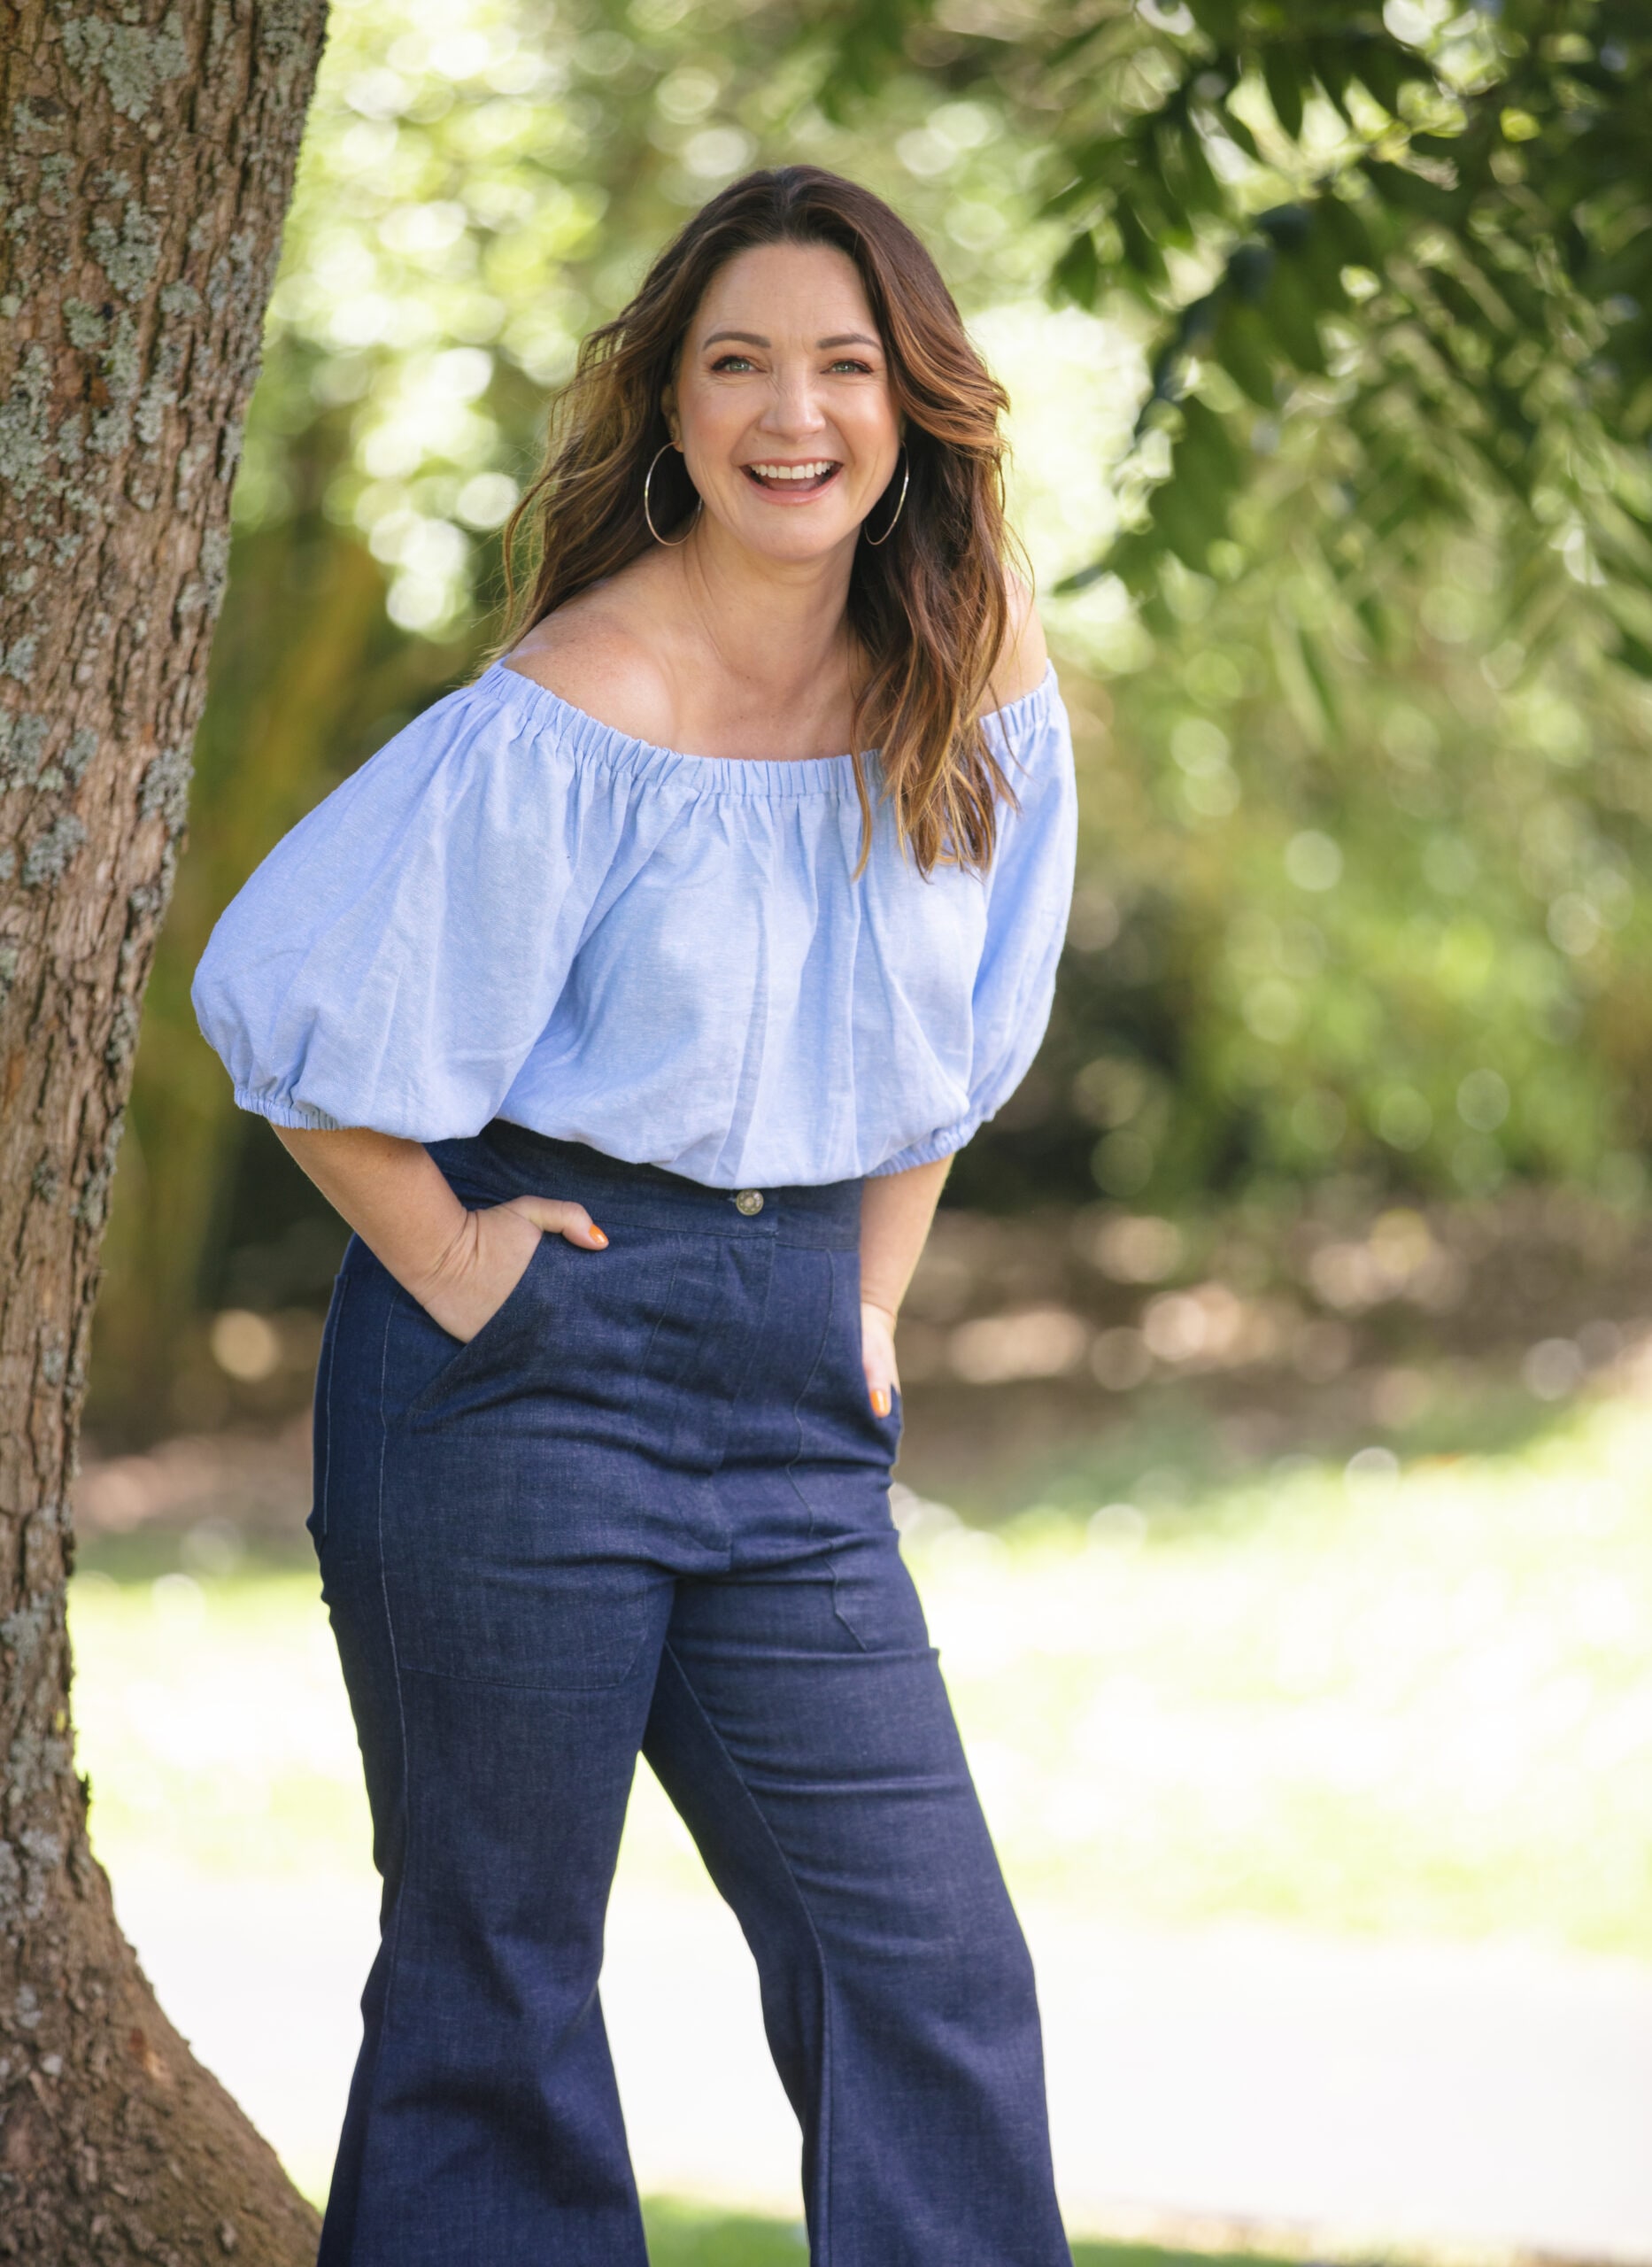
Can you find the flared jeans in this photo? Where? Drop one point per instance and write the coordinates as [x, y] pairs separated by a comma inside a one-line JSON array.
[[647, 1508]]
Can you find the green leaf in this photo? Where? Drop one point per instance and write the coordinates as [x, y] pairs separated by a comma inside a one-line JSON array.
[[1241, 135], [1284, 87], [1065, 50], [1330, 60], [1378, 622], [1461, 304], [1285, 225], [1292, 317], [1243, 350], [1319, 675], [1321, 258], [1346, 222], [1141, 254], [1629, 268], [1207, 444], [1249, 271], [1376, 64], [1449, 148], [1218, 19], [1183, 158], [1181, 516], [1405, 191], [1077, 275]]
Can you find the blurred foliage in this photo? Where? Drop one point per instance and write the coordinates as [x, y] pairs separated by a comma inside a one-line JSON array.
[[1421, 227], [1389, 925], [1325, 333], [1367, 806]]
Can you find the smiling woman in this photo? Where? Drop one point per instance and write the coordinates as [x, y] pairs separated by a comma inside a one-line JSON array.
[[791, 402], [640, 925]]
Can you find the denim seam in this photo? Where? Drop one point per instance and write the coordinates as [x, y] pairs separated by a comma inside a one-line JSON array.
[[327, 1405], [394, 1947], [660, 1313], [839, 1615], [392, 1940], [822, 2249], [571, 1696], [796, 1458]]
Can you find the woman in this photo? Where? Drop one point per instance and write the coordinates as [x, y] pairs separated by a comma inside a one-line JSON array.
[[637, 1073]]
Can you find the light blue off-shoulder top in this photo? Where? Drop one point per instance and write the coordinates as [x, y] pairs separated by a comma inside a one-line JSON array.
[[512, 910]]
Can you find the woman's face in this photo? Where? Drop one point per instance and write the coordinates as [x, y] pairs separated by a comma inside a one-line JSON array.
[[782, 404]]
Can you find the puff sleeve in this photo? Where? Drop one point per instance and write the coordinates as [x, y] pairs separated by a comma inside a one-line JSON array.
[[1029, 891], [393, 961]]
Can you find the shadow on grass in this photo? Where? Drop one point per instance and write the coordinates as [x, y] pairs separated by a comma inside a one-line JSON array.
[[685, 2235]]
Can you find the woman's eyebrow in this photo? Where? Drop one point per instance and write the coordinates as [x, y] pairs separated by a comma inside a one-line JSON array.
[[755, 338]]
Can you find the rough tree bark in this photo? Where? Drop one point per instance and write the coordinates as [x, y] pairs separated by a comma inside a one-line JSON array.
[[150, 154]]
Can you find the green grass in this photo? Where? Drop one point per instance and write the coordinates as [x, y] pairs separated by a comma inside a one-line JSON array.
[[1411, 1701], [683, 2235]]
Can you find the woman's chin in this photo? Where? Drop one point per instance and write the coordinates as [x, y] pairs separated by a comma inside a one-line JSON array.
[[791, 534]]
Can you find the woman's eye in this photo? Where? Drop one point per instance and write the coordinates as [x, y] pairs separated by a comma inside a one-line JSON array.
[[731, 361], [864, 369]]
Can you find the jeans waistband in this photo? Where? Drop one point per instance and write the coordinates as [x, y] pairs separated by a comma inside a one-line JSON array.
[[513, 1161]]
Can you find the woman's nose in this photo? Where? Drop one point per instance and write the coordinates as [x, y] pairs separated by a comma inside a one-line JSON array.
[[793, 404]]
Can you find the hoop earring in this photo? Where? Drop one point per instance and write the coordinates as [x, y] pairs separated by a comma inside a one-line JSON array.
[[676, 542], [878, 541]]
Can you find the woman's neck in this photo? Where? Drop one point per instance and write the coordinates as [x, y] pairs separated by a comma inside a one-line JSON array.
[[776, 628]]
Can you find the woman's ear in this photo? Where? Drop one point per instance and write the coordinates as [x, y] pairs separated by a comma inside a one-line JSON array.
[[668, 411]]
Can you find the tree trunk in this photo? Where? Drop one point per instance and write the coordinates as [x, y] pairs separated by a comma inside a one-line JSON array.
[[152, 152]]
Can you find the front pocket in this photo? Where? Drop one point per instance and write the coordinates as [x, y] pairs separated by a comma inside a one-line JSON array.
[[478, 1372], [536, 1614]]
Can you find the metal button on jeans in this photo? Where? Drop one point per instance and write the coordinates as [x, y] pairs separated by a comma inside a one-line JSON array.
[[749, 1201]]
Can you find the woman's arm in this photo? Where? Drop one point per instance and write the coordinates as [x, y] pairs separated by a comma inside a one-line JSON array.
[[896, 1210], [460, 1265]]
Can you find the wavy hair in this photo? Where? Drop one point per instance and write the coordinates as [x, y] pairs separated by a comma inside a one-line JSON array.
[[929, 608]]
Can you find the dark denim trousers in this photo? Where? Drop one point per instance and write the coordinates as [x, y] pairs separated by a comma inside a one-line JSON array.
[[647, 1507]]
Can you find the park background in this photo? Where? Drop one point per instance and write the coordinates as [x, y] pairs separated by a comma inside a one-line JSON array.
[[1278, 1383]]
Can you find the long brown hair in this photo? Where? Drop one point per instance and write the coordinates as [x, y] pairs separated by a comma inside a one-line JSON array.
[[929, 608]]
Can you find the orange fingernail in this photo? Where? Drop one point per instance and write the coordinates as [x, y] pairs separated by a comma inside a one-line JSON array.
[[880, 1401], [598, 1233]]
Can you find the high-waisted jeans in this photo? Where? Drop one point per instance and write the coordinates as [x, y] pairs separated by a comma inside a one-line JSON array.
[[647, 1507]]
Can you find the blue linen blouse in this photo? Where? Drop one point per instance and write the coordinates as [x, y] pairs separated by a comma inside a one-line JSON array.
[[513, 910]]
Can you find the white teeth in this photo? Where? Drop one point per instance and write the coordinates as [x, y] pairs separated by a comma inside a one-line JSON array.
[[792, 471]]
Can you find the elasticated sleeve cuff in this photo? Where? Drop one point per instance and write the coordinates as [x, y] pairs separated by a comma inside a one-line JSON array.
[[946, 1143], [281, 1110]]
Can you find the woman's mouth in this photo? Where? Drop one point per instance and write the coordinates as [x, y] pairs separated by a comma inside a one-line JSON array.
[[792, 481]]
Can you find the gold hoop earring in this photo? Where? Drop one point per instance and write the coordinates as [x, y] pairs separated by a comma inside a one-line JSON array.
[[676, 542], [878, 541]]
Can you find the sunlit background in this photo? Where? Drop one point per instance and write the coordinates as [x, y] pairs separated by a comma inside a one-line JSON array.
[[1279, 1380]]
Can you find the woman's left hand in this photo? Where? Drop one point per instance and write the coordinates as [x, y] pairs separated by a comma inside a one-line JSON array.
[[878, 1352]]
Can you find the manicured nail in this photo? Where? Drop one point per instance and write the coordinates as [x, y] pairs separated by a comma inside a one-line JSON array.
[[598, 1237], [880, 1401]]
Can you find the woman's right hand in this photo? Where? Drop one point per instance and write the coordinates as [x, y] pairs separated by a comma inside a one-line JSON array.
[[488, 1255], [462, 1266]]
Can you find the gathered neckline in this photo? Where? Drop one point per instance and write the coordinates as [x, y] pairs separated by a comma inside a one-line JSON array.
[[750, 775]]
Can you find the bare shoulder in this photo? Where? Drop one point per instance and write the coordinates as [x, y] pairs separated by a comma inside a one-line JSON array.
[[591, 656], [1025, 657]]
